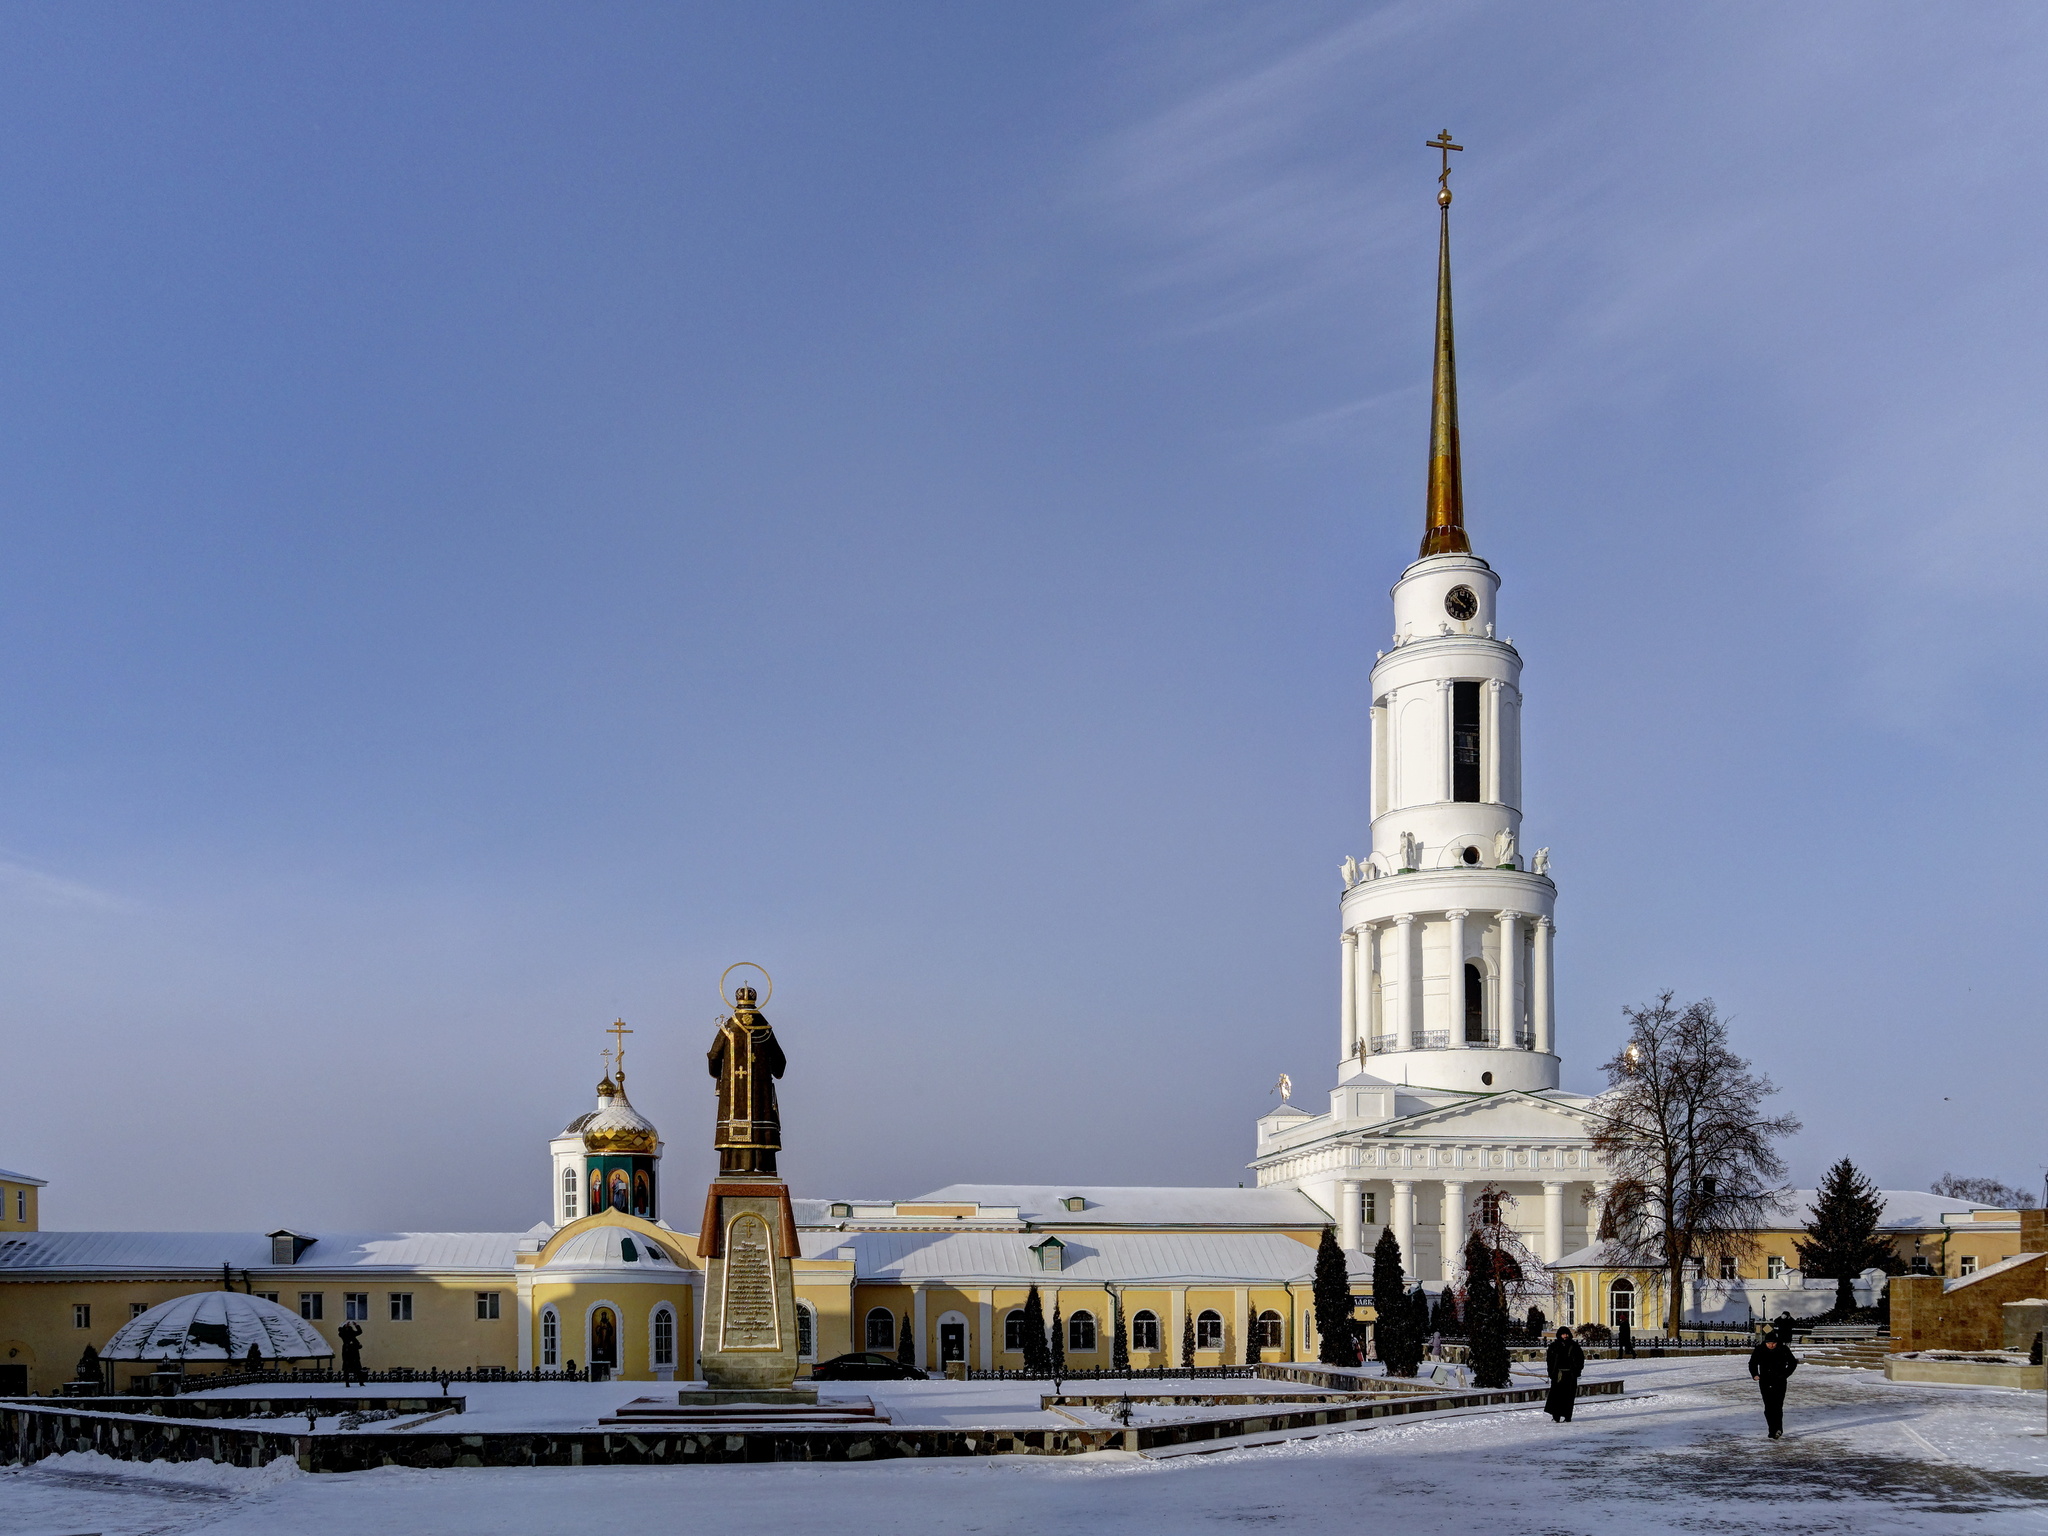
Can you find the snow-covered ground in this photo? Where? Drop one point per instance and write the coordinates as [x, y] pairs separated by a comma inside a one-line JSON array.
[[1684, 1452]]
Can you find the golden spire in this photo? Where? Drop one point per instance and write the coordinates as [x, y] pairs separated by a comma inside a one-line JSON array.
[[1443, 531], [619, 1032]]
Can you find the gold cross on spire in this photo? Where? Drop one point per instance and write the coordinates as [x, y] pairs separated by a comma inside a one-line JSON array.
[[1442, 143], [619, 1032]]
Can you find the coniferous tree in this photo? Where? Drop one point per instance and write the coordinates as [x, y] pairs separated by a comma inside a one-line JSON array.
[[1486, 1316], [1187, 1339], [1390, 1304], [906, 1343], [1418, 1317], [1332, 1296], [1251, 1338], [1842, 1234], [1037, 1358], [1538, 1323], [1059, 1339], [1120, 1342], [1443, 1317]]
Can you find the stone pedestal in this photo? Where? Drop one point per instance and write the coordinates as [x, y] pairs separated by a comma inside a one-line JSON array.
[[747, 1242]]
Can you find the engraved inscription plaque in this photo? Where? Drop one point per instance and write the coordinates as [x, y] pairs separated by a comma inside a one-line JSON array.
[[747, 1317]]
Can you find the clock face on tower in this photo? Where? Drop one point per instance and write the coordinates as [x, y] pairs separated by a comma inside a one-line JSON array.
[[1461, 603]]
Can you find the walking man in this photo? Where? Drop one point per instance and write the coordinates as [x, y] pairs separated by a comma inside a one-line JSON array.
[[351, 1354], [1771, 1365], [1564, 1360]]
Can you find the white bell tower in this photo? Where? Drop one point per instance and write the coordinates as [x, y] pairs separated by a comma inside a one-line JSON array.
[[1447, 925]]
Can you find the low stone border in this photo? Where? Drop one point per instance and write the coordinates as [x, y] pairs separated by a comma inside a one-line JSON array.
[[253, 1407], [1966, 1373], [34, 1432]]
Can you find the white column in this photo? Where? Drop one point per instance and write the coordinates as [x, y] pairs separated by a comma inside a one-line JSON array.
[[1539, 986], [1508, 1019], [924, 1336], [1490, 755], [1447, 738], [1404, 1222], [1404, 982], [1365, 992], [1553, 1221], [1347, 991], [1379, 759], [1456, 1035], [1454, 1228], [1348, 1191]]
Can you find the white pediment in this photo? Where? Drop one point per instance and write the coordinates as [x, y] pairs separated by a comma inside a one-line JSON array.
[[1498, 1117]]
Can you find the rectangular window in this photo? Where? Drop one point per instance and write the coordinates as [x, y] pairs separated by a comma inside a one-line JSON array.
[[137, 1308], [401, 1306], [1920, 1265], [266, 1295], [355, 1306], [21, 1205], [81, 1314], [1372, 1208], [487, 1306], [312, 1304], [1728, 1268], [1967, 1265], [1774, 1267], [1464, 741]]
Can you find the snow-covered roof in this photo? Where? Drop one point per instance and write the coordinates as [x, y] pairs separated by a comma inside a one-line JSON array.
[[216, 1325], [604, 1248], [1141, 1205], [1123, 1257], [22, 1178], [1908, 1208], [203, 1253]]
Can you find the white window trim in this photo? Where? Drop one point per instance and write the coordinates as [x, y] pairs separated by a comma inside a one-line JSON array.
[[1157, 1333], [811, 1313], [549, 1315]]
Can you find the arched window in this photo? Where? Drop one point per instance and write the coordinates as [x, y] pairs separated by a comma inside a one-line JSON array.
[[1081, 1334], [1568, 1305], [1464, 739], [1475, 1005], [881, 1329], [664, 1336], [550, 1337], [604, 1338], [806, 1332], [1209, 1331], [1272, 1331], [1621, 1303], [1145, 1331], [570, 1187], [1013, 1331]]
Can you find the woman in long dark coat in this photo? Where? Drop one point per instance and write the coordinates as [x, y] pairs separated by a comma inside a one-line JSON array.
[[1565, 1360]]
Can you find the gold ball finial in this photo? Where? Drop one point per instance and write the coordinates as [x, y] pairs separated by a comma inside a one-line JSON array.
[[1443, 198]]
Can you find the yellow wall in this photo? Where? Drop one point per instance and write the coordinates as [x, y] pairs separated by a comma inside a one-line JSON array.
[[634, 1302], [12, 1196]]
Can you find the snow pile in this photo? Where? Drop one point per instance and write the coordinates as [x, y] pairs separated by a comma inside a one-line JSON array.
[[191, 1474], [1970, 1357]]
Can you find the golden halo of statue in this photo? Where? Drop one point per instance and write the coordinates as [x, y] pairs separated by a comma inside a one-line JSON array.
[[735, 966]]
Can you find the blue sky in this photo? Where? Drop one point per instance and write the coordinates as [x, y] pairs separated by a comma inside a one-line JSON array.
[[510, 508]]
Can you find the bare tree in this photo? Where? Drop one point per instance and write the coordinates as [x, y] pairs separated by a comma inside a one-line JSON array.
[[1696, 1170]]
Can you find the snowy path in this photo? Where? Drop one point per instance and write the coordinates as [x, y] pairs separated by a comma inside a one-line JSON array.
[[1686, 1454]]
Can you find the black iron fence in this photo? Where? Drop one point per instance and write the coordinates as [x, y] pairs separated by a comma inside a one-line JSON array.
[[442, 1378], [1130, 1373]]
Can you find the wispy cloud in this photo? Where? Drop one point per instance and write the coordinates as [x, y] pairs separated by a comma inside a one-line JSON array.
[[26, 886]]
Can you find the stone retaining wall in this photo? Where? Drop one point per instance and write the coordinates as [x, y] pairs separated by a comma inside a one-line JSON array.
[[32, 1432]]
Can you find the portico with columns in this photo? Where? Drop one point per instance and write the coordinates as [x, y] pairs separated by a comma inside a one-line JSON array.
[[1446, 1082]]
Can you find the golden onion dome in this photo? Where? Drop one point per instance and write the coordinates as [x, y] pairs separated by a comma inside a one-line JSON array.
[[617, 1126]]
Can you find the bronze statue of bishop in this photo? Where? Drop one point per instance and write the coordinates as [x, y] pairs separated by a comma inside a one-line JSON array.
[[746, 1061]]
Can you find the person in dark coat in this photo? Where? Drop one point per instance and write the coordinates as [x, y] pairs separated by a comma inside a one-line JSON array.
[[351, 1354], [1771, 1365], [1564, 1360]]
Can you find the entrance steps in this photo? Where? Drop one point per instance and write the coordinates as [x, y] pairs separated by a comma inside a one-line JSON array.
[[660, 1413], [1857, 1354]]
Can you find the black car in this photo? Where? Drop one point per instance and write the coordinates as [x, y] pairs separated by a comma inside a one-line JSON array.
[[865, 1368]]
